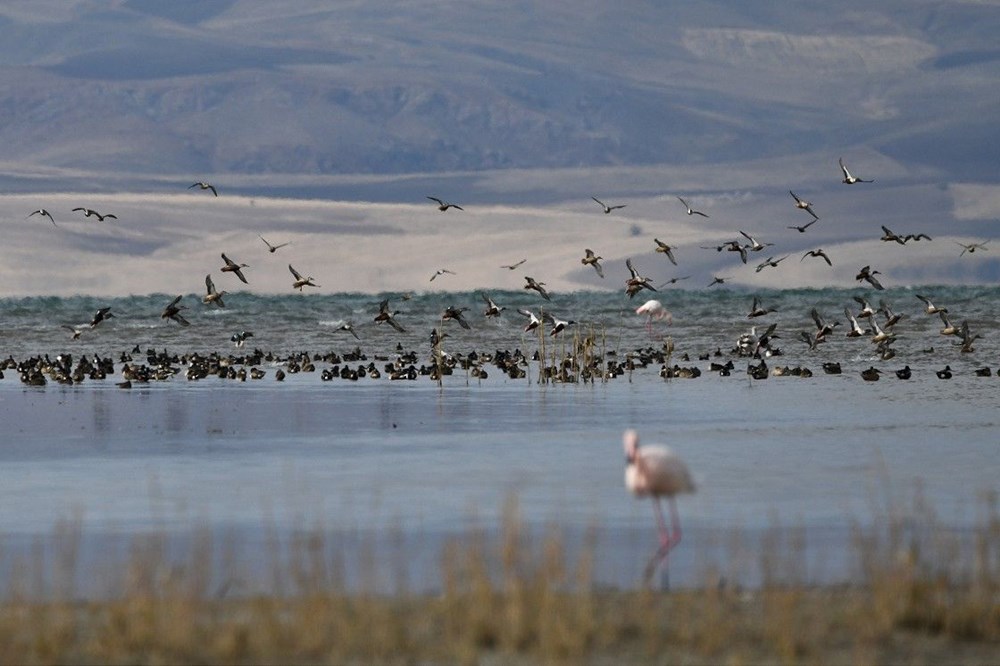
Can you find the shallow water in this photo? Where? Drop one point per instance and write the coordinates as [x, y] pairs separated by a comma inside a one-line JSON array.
[[414, 459]]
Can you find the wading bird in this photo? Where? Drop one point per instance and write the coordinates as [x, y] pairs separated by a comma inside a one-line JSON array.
[[657, 472], [653, 310]]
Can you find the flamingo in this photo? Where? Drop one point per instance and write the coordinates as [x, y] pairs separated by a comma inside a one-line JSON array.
[[653, 309], [656, 471]]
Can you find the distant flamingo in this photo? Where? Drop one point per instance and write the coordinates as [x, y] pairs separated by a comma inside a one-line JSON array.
[[656, 471], [653, 310]]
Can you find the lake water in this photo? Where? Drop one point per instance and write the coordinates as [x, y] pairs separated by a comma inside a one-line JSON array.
[[415, 463]]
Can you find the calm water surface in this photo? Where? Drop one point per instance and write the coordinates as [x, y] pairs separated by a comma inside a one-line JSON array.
[[412, 458]]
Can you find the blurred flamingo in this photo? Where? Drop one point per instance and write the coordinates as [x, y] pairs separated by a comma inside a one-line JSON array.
[[653, 310], [657, 472]]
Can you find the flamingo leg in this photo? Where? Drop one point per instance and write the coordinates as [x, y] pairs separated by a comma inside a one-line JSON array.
[[669, 537]]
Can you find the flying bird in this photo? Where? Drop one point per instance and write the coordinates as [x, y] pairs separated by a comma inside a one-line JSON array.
[[929, 307], [558, 325], [212, 296], [204, 186], [272, 248], [848, 178], [802, 229], [691, 211], [101, 315], [770, 261], [665, 249], [718, 280], [606, 207], [451, 312], [537, 286], [972, 247], [173, 311], [349, 327], [636, 282], [804, 205], [43, 213], [75, 333], [90, 212], [817, 253], [385, 316], [888, 236], [444, 205], [869, 276], [533, 321], [232, 267], [492, 309], [239, 338], [755, 245], [673, 281], [758, 310], [513, 266], [657, 472], [592, 259], [300, 281], [441, 271]]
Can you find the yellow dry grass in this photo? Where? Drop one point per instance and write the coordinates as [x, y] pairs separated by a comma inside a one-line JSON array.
[[924, 596]]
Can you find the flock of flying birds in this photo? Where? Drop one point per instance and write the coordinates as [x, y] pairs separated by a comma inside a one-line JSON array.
[[744, 247]]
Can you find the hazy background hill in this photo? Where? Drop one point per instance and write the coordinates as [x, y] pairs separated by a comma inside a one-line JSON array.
[[529, 103], [255, 86]]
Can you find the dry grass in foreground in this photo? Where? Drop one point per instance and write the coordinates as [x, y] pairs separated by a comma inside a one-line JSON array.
[[925, 597]]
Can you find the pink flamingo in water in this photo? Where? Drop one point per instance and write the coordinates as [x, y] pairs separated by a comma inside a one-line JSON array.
[[657, 472], [653, 310]]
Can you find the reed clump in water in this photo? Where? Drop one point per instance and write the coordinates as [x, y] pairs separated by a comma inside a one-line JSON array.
[[924, 594]]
